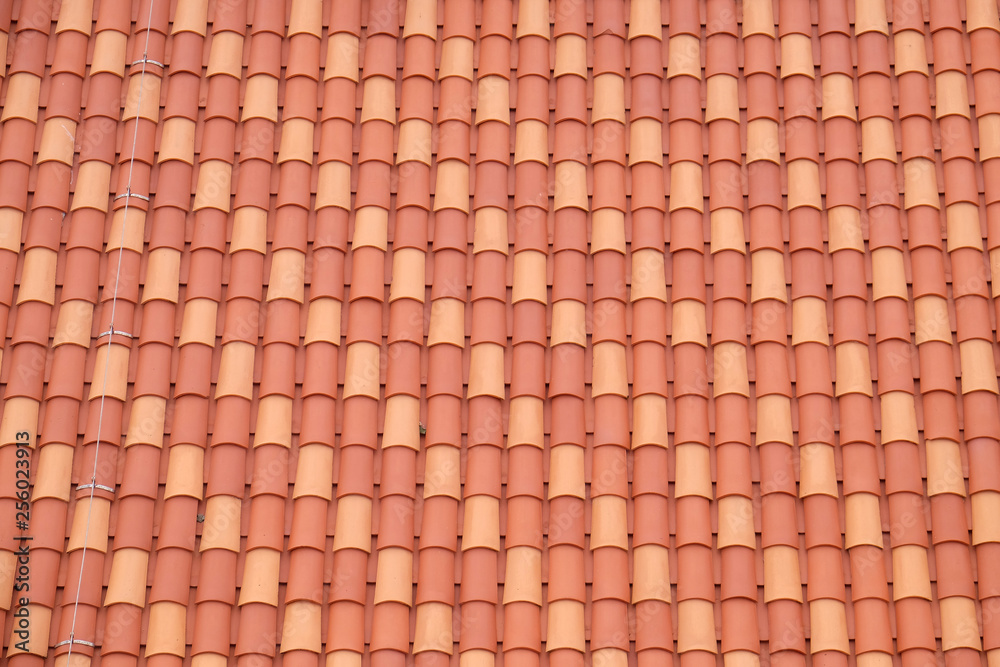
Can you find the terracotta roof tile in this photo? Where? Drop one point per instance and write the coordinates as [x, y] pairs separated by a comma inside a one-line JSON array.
[[435, 288]]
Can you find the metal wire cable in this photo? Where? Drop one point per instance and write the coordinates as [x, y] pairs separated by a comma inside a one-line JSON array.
[[107, 358]]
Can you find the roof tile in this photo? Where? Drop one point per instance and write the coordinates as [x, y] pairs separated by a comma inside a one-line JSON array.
[[693, 412]]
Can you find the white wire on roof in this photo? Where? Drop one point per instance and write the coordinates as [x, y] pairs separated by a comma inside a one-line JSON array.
[[107, 359]]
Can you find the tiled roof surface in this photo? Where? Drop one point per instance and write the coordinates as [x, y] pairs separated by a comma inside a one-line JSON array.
[[346, 333]]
